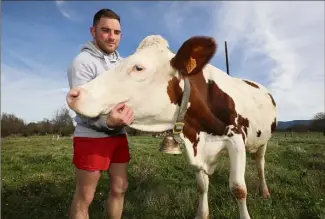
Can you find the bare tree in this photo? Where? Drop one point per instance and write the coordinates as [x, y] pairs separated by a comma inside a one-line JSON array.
[[62, 122]]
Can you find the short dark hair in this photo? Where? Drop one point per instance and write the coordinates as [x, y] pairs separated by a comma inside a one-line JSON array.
[[105, 12]]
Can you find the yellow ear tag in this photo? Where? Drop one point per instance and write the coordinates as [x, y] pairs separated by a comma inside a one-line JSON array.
[[191, 65]]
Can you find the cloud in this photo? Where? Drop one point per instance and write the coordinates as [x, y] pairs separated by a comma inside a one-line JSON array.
[[282, 45], [65, 9], [29, 95], [183, 19]]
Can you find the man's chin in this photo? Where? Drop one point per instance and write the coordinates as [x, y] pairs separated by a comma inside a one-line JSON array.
[[110, 49]]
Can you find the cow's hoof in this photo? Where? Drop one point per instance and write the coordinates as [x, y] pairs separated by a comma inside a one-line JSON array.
[[265, 193]]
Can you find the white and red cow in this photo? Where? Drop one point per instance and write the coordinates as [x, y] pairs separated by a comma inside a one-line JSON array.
[[222, 112]]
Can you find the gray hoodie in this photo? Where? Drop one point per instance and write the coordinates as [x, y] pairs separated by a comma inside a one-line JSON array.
[[87, 65]]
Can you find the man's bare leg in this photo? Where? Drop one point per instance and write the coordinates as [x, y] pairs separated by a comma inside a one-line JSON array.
[[118, 184], [86, 183]]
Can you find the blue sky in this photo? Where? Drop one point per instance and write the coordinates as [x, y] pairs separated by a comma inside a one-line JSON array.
[[278, 44]]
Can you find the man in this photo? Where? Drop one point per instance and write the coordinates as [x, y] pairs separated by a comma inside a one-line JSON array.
[[100, 144]]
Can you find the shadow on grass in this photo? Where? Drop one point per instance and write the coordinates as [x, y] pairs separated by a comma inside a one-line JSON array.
[[38, 199]]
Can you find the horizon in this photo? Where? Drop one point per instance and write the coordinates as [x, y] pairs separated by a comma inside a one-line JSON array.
[[277, 44]]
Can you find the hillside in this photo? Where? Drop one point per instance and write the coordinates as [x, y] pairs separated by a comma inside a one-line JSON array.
[[287, 124]]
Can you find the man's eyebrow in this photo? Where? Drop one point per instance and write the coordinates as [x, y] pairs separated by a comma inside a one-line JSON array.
[[106, 28]]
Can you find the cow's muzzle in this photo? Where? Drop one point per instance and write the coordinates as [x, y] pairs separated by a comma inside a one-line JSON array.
[[79, 100], [73, 97]]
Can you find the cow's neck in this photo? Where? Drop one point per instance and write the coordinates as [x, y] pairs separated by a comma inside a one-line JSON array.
[[199, 116]]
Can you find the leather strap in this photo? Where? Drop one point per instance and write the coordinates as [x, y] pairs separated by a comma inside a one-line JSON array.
[[179, 125]]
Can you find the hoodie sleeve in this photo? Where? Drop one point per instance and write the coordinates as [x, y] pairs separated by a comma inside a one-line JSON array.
[[80, 73]]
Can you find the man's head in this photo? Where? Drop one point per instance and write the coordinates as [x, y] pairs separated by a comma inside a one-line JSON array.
[[106, 30]]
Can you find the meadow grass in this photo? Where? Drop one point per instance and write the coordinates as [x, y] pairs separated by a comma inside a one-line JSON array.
[[38, 181]]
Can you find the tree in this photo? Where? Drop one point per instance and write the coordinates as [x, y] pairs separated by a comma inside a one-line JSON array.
[[62, 122], [11, 124], [318, 123]]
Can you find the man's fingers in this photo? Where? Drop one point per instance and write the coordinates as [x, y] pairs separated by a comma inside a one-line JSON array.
[[118, 107], [124, 113], [128, 116], [130, 120]]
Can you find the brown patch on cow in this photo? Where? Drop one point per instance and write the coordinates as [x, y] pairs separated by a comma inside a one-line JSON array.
[[230, 135], [239, 192], [273, 126], [174, 91], [274, 104], [251, 84], [259, 133], [242, 123]]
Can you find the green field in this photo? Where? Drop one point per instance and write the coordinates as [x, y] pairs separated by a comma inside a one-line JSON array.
[[38, 181]]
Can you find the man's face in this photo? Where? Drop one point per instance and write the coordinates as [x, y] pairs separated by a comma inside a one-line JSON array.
[[107, 34]]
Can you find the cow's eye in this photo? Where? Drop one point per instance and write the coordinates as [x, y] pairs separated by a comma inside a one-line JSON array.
[[138, 68]]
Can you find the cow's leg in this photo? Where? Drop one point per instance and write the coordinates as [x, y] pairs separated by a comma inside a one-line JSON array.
[[202, 181], [260, 161], [237, 184]]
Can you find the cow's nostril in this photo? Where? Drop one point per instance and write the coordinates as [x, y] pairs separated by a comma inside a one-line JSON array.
[[73, 96], [74, 93]]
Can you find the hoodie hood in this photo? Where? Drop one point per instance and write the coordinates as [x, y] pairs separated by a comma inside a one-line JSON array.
[[93, 50]]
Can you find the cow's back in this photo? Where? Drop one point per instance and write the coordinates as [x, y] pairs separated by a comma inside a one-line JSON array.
[[252, 101]]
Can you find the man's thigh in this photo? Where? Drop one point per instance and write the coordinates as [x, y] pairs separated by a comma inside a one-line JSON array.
[[86, 182], [119, 162], [121, 152]]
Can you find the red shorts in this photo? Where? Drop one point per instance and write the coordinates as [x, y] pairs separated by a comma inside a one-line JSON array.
[[97, 153]]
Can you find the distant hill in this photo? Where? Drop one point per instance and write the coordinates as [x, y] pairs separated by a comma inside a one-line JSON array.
[[287, 124]]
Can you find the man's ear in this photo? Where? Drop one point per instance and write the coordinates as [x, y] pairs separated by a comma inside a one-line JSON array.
[[92, 31], [194, 54]]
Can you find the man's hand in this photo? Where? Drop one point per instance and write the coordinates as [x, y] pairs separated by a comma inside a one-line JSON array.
[[121, 115]]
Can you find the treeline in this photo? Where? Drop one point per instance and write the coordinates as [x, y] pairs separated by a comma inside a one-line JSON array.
[[317, 124], [61, 124]]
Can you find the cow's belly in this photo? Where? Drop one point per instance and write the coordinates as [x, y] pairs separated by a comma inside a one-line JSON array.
[[259, 130]]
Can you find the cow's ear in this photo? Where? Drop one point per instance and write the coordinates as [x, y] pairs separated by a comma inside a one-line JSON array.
[[194, 54]]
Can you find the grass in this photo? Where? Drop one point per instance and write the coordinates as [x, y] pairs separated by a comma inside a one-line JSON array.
[[38, 181]]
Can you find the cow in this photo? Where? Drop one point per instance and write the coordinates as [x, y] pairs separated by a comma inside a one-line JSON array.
[[208, 110]]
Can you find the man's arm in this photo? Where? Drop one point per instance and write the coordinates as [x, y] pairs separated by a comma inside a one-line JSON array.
[[80, 73]]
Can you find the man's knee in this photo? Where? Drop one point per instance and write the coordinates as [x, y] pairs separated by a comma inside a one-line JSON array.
[[86, 186], [118, 176], [119, 187], [85, 195]]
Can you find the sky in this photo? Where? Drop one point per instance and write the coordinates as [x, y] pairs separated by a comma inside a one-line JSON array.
[[277, 44]]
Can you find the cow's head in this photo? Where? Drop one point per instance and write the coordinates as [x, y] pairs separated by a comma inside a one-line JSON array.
[[149, 81]]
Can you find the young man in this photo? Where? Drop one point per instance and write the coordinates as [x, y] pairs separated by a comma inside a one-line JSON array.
[[101, 144]]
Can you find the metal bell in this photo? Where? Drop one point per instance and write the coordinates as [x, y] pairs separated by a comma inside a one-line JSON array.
[[170, 146]]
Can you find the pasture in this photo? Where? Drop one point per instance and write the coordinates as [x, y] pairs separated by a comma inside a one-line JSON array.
[[38, 181]]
